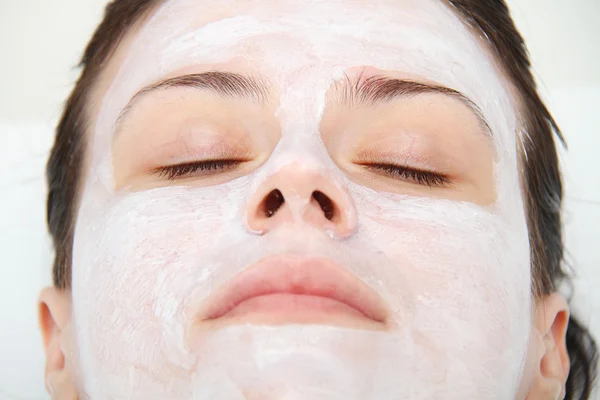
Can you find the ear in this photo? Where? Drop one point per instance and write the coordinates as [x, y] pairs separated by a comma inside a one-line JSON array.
[[54, 316], [552, 371]]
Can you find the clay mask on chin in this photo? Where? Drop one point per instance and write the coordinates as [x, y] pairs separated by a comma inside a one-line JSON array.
[[454, 275]]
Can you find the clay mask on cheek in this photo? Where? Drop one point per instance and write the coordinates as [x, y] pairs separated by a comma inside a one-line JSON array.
[[455, 275]]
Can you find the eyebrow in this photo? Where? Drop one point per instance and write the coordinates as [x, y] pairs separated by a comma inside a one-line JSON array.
[[362, 91], [226, 84], [380, 89]]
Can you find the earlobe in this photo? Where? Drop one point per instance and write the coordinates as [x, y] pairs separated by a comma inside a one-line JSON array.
[[54, 317], [552, 319]]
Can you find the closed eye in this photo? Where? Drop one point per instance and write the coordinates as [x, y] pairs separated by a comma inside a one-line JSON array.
[[196, 168], [203, 168], [418, 176]]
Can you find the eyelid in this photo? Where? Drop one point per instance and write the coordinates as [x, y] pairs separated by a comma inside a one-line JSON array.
[[188, 158], [409, 159], [190, 152]]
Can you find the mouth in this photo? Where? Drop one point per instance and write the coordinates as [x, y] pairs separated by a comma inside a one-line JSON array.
[[284, 289]]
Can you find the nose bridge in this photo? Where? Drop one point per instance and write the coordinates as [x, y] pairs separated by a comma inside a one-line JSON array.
[[300, 193]]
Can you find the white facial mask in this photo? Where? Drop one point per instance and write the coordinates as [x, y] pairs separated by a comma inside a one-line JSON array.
[[455, 275]]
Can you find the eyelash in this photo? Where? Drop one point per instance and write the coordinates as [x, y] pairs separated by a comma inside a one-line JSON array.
[[421, 177], [173, 172]]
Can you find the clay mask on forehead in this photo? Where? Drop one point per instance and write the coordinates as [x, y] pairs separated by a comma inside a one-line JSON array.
[[453, 273]]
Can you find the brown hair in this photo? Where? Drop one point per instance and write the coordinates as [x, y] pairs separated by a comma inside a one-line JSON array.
[[540, 169]]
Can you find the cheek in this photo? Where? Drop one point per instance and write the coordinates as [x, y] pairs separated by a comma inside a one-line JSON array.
[[459, 277], [136, 263]]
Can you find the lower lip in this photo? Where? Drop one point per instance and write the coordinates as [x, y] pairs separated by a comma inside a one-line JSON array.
[[290, 308]]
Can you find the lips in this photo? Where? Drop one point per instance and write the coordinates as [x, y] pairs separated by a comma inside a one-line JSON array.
[[293, 286]]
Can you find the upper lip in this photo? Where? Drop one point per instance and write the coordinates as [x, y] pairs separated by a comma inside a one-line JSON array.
[[301, 276]]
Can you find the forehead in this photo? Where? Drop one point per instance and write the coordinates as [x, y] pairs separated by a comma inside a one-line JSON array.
[[343, 16], [281, 35]]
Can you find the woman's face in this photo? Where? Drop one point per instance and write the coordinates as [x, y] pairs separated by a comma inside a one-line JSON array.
[[311, 200]]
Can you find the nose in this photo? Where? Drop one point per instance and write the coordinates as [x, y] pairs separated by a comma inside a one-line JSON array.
[[298, 194]]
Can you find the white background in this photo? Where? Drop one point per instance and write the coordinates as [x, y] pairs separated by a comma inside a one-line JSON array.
[[40, 43]]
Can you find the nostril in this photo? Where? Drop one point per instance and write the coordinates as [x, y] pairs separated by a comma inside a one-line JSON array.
[[326, 204], [272, 203]]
